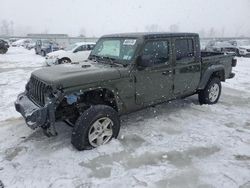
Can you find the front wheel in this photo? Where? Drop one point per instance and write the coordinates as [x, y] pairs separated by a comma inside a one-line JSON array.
[[211, 93], [95, 127], [64, 61]]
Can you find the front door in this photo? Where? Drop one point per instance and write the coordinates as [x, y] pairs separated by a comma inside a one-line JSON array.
[[154, 84], [186, 66]]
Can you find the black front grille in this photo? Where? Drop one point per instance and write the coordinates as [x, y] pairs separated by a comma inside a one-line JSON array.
[[37, 90]]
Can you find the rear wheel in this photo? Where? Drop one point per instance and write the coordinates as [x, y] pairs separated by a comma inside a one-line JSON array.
[[95, 127], [43, 53], [3, 50], [211, 93]]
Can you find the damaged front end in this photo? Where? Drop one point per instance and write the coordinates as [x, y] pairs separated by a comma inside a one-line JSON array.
[[38, 104]]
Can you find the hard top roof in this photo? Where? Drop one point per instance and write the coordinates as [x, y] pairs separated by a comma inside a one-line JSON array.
[[83, 43], [149, 35]]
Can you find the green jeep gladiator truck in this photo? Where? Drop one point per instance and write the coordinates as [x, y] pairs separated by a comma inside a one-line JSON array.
[[124, 73]]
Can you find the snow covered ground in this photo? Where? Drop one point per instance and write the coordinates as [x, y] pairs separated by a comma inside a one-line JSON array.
[[176, 144]]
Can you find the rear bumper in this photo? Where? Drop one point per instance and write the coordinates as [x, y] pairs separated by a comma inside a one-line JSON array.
[[34, 115], [231, 75]]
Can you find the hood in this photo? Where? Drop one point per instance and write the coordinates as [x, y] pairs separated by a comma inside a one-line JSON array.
[[70, 75], [55, 53], [246, 47]]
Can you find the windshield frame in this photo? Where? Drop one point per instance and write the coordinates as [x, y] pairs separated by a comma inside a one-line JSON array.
[[117, 60]]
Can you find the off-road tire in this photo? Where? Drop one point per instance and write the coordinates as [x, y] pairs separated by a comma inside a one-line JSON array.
[[204, 94], [79, 138]]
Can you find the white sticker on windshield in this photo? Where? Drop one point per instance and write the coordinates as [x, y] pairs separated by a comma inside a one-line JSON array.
[[129, 42]]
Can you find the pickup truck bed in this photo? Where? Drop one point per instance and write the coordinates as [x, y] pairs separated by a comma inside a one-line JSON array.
[[217, 61]]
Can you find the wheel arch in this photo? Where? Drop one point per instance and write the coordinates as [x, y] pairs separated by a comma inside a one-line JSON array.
[[212, 71], [61, 58], [113, 99]]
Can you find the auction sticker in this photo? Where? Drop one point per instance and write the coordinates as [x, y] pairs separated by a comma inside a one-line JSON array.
[[129, 42]]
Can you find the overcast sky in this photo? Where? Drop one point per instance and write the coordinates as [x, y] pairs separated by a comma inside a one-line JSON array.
[[98, 17]]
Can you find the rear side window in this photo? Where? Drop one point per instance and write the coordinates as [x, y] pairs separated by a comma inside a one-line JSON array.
[[184, 48], [82, 48], [157, 51]]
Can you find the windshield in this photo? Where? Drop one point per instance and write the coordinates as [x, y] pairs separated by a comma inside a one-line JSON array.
[[120, 49], [70, 47]]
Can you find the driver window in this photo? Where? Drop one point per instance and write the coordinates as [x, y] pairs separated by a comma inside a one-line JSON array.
[[156, 51], [80, 48]]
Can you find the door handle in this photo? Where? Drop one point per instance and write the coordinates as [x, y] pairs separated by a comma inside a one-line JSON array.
[[165, 73]]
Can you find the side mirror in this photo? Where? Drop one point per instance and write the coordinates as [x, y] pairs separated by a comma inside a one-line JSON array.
[[144, 61]]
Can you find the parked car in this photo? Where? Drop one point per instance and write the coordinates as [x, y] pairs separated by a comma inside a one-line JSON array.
[[11, 40], [30, 45], [21, 42], [74, 53], [43, 47], [243, 47], [3, 46], [124, 73], [221, 46]]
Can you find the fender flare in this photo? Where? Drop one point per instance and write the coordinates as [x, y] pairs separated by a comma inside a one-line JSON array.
[[114, 91], [207, 74]]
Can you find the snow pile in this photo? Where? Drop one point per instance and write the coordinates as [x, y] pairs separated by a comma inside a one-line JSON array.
[[19, 57], [241, 79], [176, 144], [15, 68]]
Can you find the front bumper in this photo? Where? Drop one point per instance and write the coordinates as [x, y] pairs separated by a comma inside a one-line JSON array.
[[34, 115], [51, 62]]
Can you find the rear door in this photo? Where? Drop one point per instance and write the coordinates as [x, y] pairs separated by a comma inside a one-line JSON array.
[[154, 84], [186, 65]]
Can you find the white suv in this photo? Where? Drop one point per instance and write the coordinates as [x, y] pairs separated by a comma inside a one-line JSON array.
[[74, 53]]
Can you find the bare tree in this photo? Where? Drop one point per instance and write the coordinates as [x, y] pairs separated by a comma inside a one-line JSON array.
[[202, 33], [5, 27], [82, 32], [223, 32], [174, 28], [212, 32], [11, 27], [152, 28]]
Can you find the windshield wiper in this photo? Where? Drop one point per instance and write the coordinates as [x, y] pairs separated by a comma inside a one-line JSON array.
[[112, 61], [95, 57], [102, 59]]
